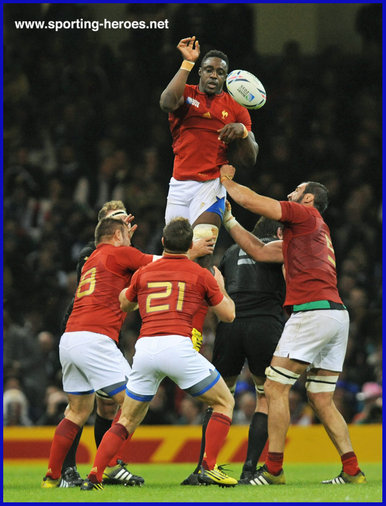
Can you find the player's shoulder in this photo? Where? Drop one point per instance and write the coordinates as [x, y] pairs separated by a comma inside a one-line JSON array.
[[230, 253], [87, 250]]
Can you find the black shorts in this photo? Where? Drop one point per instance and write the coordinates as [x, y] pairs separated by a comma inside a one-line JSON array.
[[254, 339]]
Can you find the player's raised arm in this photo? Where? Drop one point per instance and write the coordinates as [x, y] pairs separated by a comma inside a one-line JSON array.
[[247, 198], [244, 148], [248, 242], [172, 96]]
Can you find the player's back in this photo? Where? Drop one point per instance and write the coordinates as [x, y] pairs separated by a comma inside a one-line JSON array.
[[169, 293], [309, 256], [96, 306], [257, 288]]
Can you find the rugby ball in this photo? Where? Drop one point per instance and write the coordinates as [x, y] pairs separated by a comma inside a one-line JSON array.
[[246, 89]]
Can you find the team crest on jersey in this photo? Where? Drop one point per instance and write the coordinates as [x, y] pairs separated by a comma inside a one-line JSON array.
[[224, 114], [192, 101]]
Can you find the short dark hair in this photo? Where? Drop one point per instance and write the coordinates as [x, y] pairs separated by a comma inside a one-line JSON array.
[[106, 228], [266, 228], [320, 193], [214, 53], [178, 235]]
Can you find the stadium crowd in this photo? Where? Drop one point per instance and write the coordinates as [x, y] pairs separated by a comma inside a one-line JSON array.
[[82, 125]]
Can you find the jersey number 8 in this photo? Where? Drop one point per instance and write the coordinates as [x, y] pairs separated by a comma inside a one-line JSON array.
[[87, 283]]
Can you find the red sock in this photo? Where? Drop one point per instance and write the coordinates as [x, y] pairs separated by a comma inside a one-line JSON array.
[[64, 436], [274, 462], [350, 463], [123, 454], [216, 432], [110, 444]]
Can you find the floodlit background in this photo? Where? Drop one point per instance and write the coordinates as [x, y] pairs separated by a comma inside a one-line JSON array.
[[82, 126]]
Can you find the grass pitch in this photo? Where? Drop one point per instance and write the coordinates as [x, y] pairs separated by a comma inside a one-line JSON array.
[[162, 484]]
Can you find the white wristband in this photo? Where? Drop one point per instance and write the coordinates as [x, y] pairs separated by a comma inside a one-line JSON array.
[[230, 223]]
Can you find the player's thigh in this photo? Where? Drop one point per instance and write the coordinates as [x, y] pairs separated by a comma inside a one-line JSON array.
[[176, 211], [178, 360], [331, 356], [310, 335], [228, 353], [94, 360], [260, 337], [145, 376], [179, 197], [209, 199]]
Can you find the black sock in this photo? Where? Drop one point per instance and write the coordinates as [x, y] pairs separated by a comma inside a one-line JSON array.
[[101, 426], [208, 414], [257, 437], [70, 460]]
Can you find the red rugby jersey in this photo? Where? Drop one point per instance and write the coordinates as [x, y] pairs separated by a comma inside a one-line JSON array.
[[106, 272], [169, 293], [309, 257], [198, 152]]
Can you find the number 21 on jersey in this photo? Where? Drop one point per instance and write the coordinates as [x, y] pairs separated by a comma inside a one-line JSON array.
[[157, 301]]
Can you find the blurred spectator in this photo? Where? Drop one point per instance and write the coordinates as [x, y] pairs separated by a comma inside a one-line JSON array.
[[15, 404], [158, 413], [55, 404], [344, 398], [190, 411], [75, 135], [370, 398], [244, 408], [300, 411]]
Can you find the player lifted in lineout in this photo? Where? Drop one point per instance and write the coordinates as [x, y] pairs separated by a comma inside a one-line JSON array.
[[204, 122]]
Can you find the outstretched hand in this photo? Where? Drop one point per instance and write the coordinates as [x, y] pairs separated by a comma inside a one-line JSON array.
[[230, 132], [132, 228], [202, 247], [189, 48], [227, 171]]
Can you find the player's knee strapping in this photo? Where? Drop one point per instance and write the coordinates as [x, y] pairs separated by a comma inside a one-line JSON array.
[[281, 375], [205, 231], [259, 389], [319, 384]]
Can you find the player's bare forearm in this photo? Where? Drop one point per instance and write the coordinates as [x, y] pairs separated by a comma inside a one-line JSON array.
[[251, 200], [172, 96], [225, 311], [246, 151], [256, 249]]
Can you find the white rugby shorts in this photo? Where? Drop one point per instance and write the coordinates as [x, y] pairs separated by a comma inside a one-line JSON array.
[[91, 362], [190, 199], [173, 356], [318, 337]]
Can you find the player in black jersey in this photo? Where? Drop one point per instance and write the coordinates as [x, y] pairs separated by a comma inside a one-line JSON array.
[[258, 290]]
